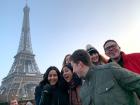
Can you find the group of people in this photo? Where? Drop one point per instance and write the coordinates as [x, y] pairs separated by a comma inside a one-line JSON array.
[[88, 78], [14, 101], [59, 88]]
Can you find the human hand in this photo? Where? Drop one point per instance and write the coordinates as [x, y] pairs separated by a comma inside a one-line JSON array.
[[47, 88]]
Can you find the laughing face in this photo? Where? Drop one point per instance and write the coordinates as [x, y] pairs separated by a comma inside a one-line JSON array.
[[94, 58], [67, 74]]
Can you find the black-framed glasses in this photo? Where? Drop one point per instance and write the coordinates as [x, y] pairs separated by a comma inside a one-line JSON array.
[[109, 47]]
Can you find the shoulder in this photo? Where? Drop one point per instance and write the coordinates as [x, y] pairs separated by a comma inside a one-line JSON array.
[[38, 88], [107, 66], [130, 55]]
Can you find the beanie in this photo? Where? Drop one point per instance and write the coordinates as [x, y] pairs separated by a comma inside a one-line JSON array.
[[90, 49]]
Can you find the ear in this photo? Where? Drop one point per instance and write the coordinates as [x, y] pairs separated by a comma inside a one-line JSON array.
[[81, 65]]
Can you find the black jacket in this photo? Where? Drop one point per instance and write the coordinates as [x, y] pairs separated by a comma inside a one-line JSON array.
[[38, 91], [54, 95]]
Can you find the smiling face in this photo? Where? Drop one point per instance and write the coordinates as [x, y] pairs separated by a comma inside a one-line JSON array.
[[67, 74], [94, 58], [112, 50], [52, 77]]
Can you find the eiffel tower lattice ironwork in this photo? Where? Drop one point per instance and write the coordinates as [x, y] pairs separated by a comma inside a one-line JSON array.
[[24, 74]]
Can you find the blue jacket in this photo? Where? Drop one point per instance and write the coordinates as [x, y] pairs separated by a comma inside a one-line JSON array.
[[38, 91]]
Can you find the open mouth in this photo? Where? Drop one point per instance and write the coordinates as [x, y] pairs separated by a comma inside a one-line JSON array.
[[67, 78]]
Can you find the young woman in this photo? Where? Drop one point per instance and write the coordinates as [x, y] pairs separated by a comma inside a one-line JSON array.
[[66, 59], [95, 57], [52, 93], [72, 84]]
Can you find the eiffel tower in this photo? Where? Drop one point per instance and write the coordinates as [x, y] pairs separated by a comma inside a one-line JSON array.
[[24, 74]]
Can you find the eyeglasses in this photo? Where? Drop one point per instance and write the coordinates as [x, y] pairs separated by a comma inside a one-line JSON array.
[[111, 46]]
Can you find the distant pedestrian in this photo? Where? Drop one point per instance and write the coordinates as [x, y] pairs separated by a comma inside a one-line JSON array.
[[29, 103], [14, 101]]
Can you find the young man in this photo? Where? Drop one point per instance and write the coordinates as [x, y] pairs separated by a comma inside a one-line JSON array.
[[129, 61], [13, 101], [107, 84]]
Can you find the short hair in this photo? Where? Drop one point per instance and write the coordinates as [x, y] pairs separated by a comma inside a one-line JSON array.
[[13, 98], [110, 40], [81, 55]]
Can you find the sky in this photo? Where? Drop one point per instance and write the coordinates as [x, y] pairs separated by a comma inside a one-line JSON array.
[[59, 27]]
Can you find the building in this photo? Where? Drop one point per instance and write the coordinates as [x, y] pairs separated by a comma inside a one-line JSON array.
[[24, 74]]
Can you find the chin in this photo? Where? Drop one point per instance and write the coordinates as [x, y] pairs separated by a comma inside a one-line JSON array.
[[67, 80], [53, 84]]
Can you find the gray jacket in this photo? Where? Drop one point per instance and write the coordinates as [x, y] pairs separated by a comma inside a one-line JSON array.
[[110, 85]]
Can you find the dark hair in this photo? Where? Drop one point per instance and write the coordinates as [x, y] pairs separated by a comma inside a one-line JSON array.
[[45, 76], [92, 51], [64, 62], [75, 81], [81, 55], [110, 40], [68, 66]]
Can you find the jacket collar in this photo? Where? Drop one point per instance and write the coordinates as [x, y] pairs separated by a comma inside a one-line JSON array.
[[89, 73], [120, 62]]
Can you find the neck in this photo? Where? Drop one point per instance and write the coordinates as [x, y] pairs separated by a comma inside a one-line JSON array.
[[117, 59], [85, 70]]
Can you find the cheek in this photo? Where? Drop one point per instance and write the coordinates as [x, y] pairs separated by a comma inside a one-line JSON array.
[[74, 69], [107, 53], [48, 78], [56, 79], [117, 51]]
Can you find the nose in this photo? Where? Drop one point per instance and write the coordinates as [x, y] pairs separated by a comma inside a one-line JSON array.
[[110, 49], [65, 73]]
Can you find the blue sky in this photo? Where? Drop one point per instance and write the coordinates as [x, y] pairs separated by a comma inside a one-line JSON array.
[[59, 27]]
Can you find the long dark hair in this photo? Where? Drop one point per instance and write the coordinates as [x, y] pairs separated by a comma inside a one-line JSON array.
[[45, 76], [75, 81]]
